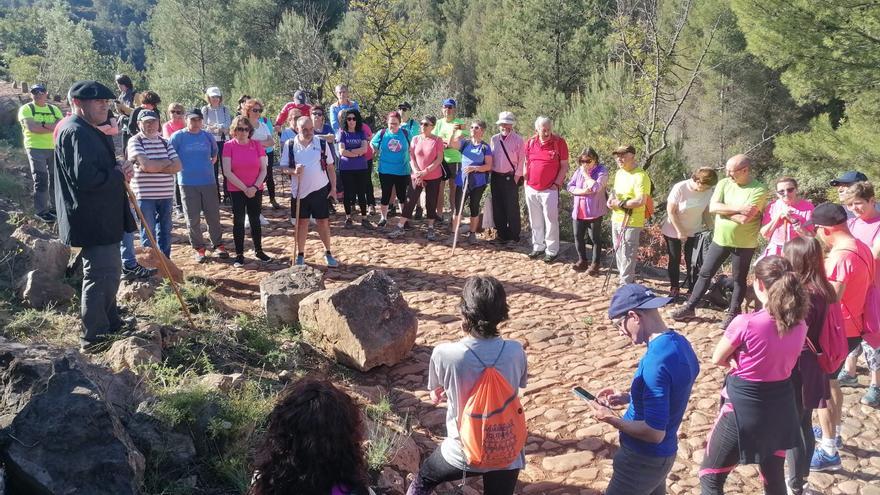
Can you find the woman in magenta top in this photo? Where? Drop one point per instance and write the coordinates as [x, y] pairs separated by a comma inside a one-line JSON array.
[[176, 122], [758, 419], [587, 185], [785, 218], [244, 166], [425, 159]]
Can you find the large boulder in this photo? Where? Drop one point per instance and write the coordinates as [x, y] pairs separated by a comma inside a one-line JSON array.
[[44, 250], [38, 289], [58, 432], [364, 324], [282, 291], [134, 352]]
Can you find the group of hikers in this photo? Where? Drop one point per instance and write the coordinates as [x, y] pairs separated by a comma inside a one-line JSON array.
[[815, 279]]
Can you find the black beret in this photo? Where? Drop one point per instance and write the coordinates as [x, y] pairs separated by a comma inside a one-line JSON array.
[[90, 90]]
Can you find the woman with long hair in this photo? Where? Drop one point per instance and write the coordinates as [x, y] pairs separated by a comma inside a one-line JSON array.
[[353, 144], [786, 218], [425, 160], [587, 185], [687, 207], [758, 419], [453, 372], [313, 444], [244, 165], [811, 385], [218, 119], [265, 135]]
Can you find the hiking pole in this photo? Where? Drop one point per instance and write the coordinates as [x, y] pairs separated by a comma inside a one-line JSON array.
[[162, 264], [460, 211], [623, 226]]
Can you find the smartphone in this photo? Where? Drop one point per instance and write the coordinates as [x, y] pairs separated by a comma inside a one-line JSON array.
[[583, 394]]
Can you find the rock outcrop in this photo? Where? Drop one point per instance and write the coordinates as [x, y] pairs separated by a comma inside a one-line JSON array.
[[281, 292]]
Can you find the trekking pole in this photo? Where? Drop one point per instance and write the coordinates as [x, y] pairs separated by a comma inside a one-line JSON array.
[[162, 263], [460, 211], [623, 226]]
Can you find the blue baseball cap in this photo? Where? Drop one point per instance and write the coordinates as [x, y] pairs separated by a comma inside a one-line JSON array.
[[634, 296], [850, 177], [449, 102]]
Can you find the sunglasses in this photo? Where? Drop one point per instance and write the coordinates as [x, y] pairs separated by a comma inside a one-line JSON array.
[[257, 110], [475, 127], [177, 112], [351, 119], [243, 129], [426, 124], [448, 106], [587, 161], [785, 191], [620, 323]]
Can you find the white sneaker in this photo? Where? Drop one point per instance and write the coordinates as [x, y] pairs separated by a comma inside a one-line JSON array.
[[263, 220], [292, 221]]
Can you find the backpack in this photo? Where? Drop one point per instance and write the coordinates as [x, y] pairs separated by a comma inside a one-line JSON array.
[[291, 163], [492, 425], [53, 110], [832, 340]]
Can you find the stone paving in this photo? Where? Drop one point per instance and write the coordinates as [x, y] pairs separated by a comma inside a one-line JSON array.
[[560, 316]]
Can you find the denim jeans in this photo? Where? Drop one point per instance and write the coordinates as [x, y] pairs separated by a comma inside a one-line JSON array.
[[157, 213]]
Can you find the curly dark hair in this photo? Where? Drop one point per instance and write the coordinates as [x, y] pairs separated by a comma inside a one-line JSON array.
[[313, 442], [483, 306]]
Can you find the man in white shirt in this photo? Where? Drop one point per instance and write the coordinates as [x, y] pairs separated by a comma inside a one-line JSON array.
[[308, 160]]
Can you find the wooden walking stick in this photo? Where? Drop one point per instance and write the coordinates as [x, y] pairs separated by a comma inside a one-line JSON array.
[[464, 193], [162, 264]]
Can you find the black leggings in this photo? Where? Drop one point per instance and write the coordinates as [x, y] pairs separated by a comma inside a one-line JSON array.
[[474, 195], [356, 185], [594, 227], [371, 195], [722, 456], [270, 178], [432, 190], [673, 247], [399, 183], [436, 470], [242, 204], [798, 459], [218, 172], [716, 256]]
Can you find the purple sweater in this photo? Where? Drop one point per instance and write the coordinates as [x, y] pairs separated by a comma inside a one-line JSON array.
[[593, 204]]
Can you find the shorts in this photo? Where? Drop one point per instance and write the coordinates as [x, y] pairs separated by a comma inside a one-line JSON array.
[[315, 204]]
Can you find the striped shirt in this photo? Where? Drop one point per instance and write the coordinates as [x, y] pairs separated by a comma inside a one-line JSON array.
[[148, 185]]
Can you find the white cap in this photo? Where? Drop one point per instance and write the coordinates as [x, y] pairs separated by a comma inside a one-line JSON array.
[[506, 118], [213, 91]]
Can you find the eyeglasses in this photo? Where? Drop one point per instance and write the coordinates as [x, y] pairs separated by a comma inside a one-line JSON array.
[[620, 323], [787, 190], [257, 110], [177, 112], [243, 129], [351, 119]]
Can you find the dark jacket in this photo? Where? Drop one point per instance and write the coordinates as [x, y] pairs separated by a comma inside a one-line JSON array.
[[90, 196]]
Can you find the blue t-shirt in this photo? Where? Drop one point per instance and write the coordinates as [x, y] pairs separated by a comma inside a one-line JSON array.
[[473, 155], [195, 152], [287, 134], [352, 141], [393, 151], [660, 392]]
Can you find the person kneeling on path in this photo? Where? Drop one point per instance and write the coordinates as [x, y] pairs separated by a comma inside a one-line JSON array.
[[93, 210], [454, 371], [737, 204], [657, 398], [309, 161]]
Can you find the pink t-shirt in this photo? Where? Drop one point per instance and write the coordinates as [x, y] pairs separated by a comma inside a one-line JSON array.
[[424, 151], [762, 355], [867, 232], [851, 268], [245, 161], [368, 133], [171, 127], [802, 211]]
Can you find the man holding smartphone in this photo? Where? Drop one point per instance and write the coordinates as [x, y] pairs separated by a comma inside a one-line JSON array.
[[657, 398]]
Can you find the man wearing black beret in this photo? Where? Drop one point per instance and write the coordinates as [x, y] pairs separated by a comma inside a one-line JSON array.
[[92, 205]]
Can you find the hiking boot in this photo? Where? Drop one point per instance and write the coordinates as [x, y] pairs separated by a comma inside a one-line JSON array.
[[46, 216], [330, 260], [397, 232], [872, 396], [419, 213], [382, 223], [200, 255], [220, 249], [366, 224], [550, 258], [535, 254], [275, 205], [260, 255], [726, 321], [431, 236], [593, 271], [239, 261], [822, 461], [844, 379], [348, 223], [580, 266], [684, 313], [137, 272], [300, 260]]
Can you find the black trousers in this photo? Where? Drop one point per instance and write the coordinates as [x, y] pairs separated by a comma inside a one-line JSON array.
[[673, 248], [356, 186], [474, 195], [371, 195], [432, 190], [594, 228], [399, 183], [798, 459], [270, 178], [242, 205], [505, 206], [436, 470], [218, 172], [717, 255]]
